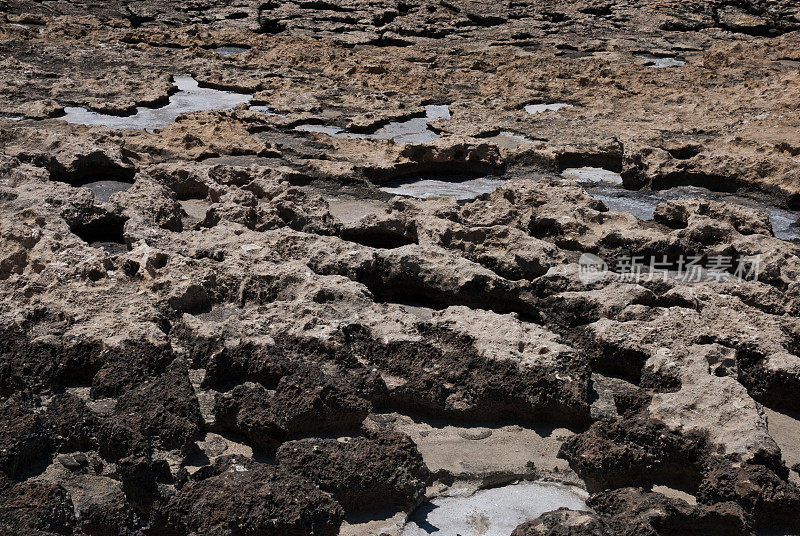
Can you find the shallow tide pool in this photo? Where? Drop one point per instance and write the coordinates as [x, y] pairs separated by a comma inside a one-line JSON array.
[[541, 108], [413, 130], [660, 62], [492, 512], [592, 175], [189, 98], [643, 204], [431, 188], [104, 189]]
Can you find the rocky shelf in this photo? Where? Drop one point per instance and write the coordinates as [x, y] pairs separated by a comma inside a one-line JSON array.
[[399, 268]]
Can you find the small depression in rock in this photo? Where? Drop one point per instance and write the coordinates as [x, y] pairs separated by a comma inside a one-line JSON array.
[[39, 27], [516, 137], [103, 189], [438, 187], [104, 233], [350, 210], [189, 98], [618, 200], [261, 108], [574, 54], [660, 62], [415, 130], [228, 51], [195, 209], [510, 140], [592, 175], [492, 512], [112, 248], [534, 109], [322, 129]]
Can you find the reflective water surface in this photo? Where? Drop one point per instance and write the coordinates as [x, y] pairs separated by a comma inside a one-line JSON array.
[[189, 98], [458, 187], [492, 512]]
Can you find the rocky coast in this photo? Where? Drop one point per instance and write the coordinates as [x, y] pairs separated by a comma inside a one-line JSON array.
[[349, 267]]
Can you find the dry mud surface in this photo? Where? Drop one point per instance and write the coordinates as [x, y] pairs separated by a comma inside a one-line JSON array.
[[218, 318]]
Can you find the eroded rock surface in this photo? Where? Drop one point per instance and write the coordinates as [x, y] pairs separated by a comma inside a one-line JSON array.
[[241, 333]]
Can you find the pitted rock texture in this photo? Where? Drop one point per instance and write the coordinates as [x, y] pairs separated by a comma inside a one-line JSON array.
[[381, 468], [233, 342]]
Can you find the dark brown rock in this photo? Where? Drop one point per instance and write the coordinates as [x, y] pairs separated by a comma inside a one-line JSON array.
[[381, 470], [25, 436], [250, 498], [164, 410], [613, 454], [35, 508]]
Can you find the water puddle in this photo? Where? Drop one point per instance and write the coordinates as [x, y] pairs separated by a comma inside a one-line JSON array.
[[510, 140], [784, 222], [492, 512], [513, 137], [433, 188], [39, 27], [592, 175], [350, 210], [414, 130], [323, 129], [606, 186], [228, 51], [534, 109], [261, 108], [13, 117], [189, 98], [660, 62], [103, 189], [643, 205], [794, 64]]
